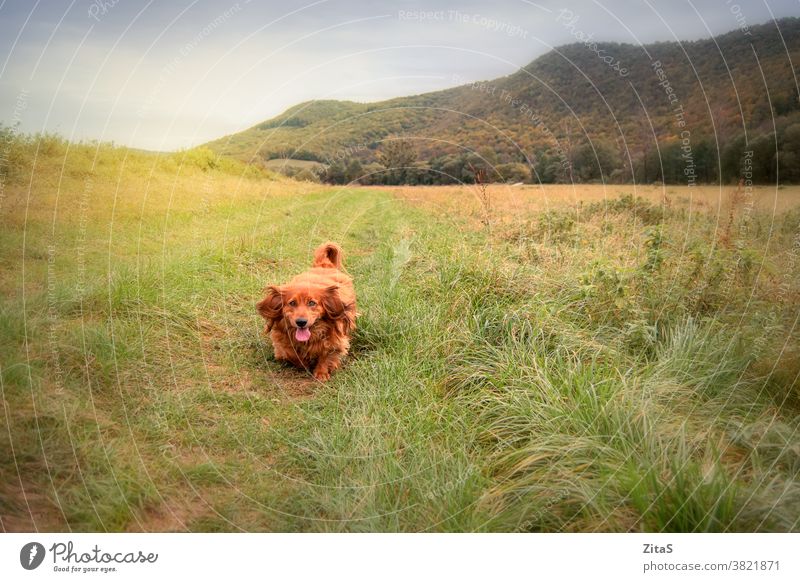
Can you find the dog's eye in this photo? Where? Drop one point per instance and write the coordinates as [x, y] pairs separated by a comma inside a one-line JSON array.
[[293, 303], [312, 303]]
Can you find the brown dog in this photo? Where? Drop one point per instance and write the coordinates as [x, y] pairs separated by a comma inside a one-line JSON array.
[[310, 318]]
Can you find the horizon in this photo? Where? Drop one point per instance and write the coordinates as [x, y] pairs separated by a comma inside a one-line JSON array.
[[163, 78]]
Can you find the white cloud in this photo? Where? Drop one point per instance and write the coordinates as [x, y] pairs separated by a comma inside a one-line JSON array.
[[181, 73]]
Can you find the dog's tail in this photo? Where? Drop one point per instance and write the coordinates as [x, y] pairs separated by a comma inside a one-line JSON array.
[[329, 255]]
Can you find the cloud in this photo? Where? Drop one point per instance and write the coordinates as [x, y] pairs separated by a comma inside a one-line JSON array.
[[168, 75]]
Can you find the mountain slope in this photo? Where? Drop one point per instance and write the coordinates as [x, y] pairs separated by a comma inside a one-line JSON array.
[[708, 92]]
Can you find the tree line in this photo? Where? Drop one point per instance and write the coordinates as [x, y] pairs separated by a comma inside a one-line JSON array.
[[767, 158]]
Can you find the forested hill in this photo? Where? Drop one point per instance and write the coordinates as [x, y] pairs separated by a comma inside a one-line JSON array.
[[674, 111]]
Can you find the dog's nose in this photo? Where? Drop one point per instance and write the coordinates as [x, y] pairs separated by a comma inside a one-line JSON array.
[[300, 322]]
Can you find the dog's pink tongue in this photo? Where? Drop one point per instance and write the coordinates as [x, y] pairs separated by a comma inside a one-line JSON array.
[[303, 335]]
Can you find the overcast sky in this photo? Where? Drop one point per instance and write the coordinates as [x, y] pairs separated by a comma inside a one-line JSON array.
[[164, 75]]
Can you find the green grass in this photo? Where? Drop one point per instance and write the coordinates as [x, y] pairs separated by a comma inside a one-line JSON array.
[[559, 374]]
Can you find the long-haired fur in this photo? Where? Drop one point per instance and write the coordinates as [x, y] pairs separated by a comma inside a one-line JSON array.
[[310, 319]]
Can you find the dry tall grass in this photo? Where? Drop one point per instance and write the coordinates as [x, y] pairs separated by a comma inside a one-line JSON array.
[[510, 201]]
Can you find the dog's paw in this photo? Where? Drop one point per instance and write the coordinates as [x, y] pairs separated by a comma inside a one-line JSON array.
[[322, 375]]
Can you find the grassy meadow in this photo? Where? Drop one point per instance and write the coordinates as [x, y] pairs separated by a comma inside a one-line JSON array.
[[551, 359]]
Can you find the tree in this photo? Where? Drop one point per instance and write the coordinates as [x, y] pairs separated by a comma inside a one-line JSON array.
[[789, 156], [335, 173], [514, 172], [397, 155], [705, 158], [549, 168], [448, 169], [372, 173], [594, 161], [764, 158], [354, 171], [733, 159]]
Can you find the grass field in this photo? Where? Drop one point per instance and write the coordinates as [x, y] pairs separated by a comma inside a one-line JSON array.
[[607, 363], [513, 201]]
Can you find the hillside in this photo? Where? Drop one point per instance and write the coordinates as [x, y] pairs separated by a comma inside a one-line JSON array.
[[570, 115]]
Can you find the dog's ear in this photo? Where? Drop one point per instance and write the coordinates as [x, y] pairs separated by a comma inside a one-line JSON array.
[[332, 302], [335, 307], [271, 307]]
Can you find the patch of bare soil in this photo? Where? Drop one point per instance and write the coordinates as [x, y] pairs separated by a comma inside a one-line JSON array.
[[174, 515], [32, 511], [284, 382], [294, 384]]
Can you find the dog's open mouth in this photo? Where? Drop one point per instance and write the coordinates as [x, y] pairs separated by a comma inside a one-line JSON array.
[[302, 334]]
